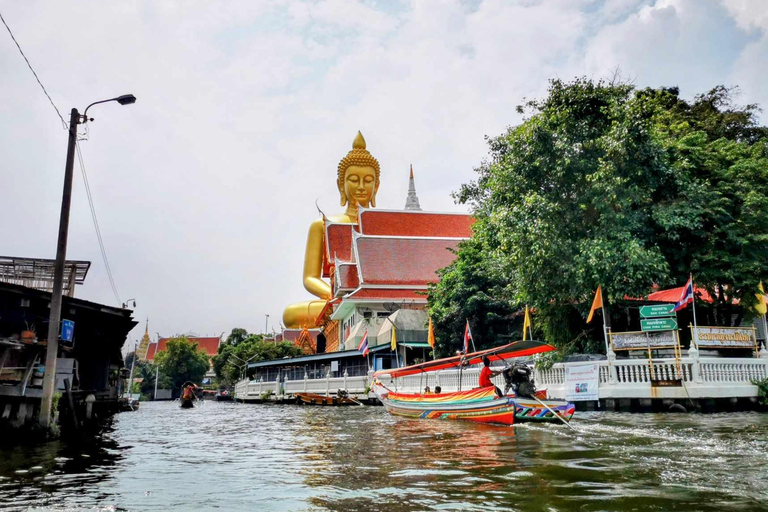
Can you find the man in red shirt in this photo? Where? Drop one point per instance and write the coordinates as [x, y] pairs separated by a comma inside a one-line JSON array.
[[486, 374]]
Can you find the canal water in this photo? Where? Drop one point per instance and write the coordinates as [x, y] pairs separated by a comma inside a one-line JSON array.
[[238, 457]]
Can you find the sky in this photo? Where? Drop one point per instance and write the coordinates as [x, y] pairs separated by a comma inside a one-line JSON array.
[[205, 188]]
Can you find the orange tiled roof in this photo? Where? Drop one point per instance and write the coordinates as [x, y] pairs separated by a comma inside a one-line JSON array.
[[338, 244], [405, 261], [415, 223], [293, 334], [209, 345], [673, 295], [348, 278]]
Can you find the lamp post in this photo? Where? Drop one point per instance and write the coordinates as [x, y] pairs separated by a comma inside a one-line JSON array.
[[266, 324], [49, 380], [128, 303], [245, 363]]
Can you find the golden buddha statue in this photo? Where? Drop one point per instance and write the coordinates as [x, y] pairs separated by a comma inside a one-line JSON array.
[[358, 182]]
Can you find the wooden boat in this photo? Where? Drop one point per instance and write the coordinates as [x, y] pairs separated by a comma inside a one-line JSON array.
[[481, 405], [315, 399], [186, 403]]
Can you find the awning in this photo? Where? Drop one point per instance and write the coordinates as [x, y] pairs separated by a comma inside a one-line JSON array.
[[516, 349], [415, 344]]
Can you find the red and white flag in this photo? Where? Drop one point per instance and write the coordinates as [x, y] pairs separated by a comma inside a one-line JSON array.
[[363, 347], [467, 338], [686, 297]]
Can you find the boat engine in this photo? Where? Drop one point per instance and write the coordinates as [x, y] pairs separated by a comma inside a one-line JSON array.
[[518, 379]]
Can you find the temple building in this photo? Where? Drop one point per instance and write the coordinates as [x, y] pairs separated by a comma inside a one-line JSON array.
[[141, 352], [378, 265]]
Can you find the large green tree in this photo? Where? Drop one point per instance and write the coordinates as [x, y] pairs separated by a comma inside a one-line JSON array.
[[183, 360], [606, 184], [229, 364]]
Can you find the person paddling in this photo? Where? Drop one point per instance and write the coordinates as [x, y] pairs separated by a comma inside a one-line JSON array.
[[486, 374]]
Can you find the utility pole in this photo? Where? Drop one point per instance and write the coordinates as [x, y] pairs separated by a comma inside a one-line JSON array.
[[266, 323], [49, 379]]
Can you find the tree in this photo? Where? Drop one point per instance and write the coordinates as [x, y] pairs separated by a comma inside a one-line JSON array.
[[230, 363], [182, 361], [237, 336], [606, 184]]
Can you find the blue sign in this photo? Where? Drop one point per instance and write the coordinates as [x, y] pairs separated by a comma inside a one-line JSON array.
[[67, 330]]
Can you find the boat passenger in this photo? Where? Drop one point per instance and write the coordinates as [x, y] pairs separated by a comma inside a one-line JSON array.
[[427, 391], [486, 374], [438, 389]]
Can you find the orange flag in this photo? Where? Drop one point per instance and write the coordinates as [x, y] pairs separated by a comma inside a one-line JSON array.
[[431, 335], [596, 304]]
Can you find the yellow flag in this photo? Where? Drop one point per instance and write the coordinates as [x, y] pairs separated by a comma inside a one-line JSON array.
[[526, 324], [431, 335], [596, 304], [761, 307], [394, 339]]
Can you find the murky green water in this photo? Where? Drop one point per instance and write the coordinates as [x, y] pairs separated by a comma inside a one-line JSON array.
[[236, 457]]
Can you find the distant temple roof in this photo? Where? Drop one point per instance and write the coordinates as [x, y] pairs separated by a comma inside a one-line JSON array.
[[209, 344]]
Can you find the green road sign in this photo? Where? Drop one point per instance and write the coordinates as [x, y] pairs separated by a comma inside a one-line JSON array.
[[659, 324], [657, 311]]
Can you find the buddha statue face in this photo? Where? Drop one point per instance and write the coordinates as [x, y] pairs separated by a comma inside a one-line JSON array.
[[360, 184], [358, 177]]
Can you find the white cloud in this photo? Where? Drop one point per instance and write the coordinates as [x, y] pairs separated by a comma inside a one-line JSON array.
[[206, 186]]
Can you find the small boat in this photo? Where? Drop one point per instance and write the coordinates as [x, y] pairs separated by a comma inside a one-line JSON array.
[[186, 403], [223, 396], [482, 405], [315, 399]]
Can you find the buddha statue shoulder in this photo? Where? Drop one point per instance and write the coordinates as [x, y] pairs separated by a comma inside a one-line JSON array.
[[358, 182]]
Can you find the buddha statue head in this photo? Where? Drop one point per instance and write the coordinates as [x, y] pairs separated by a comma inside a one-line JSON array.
[[358, 178]]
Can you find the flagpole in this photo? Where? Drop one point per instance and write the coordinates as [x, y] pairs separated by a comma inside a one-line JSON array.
[[693, 292], [605, 328]]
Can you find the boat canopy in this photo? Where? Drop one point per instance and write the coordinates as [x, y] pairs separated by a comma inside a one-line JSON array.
[[515, 349]]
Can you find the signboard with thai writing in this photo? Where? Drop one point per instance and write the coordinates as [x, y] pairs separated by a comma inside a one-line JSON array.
[[581, 382], [658, 324], [640, 340], [656, 311], [724, 337], [67, 330]]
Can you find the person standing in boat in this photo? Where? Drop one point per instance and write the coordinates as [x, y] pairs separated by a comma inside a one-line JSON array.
[[486, 374]]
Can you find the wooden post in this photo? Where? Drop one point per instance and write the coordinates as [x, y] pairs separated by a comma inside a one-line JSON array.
[[71, 401]]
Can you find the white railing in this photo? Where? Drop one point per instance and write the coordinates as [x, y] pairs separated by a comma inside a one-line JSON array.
[[255, 390], [690, 377], [697, 377]]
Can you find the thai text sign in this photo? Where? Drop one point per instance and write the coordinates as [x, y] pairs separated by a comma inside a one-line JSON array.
[[658, 324], [636, 340], [724, 337], [67, 330], [581, 382], [657, 311]]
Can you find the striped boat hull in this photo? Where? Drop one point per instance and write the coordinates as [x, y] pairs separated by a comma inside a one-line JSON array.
[[479, 405]]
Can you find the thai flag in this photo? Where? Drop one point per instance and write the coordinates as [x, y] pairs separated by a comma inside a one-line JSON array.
[[467, 338], [363, 347], [686, 297]]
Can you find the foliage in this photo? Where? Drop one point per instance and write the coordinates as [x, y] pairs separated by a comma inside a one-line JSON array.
[[762, 391], [230, 362], [182, 361], [237, 336], [606, 184]]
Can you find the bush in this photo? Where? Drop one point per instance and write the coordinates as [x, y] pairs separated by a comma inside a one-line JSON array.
[[762, 390]]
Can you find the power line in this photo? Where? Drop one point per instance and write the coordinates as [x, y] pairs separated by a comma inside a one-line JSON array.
[[96, 225], [63, 123]]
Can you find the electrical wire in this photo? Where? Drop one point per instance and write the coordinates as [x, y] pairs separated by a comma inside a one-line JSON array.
[[63, 123], [96, 225]]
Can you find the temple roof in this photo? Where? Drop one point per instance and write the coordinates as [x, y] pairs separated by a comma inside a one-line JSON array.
[[346, 276], [210, 346], [415, 223], [401, 260], [338, 244], [388, 294]]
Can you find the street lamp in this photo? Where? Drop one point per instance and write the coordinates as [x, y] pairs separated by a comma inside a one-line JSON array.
[[49, 380], [128, 303], [245, 363]]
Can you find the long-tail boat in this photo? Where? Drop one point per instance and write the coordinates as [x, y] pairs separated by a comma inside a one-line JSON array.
[[520, 402], [315, 399]]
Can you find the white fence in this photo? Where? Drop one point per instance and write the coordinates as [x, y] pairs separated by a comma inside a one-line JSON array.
[[709, 377], [255, 390]]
